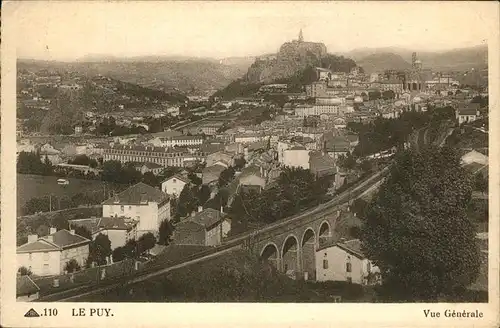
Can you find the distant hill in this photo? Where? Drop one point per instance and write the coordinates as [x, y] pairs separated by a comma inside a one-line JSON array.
[[456, 59], [383, 61], [185, 74], [242, 63]]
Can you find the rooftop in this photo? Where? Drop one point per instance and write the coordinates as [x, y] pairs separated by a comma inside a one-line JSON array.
[[138, 194], [61, 239], [207, 218]]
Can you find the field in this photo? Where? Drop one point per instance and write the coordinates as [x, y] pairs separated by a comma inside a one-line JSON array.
[[30, 186]]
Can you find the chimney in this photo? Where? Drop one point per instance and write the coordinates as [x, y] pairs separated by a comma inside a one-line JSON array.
[[222, 209], [193, 213], [52, 230], [200, 208], [342, 240], [72, 231], [32, 238]]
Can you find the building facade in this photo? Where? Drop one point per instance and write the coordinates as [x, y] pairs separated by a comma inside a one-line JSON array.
[[174, 185], [158, 155], [46, 256], [148, 205], [344, 262]]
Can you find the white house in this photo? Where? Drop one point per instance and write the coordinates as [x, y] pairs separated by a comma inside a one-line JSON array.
[[296, 156], [54, 155], [118, 229], [174, 185], [248, 138], [141, 202], [48, 255], [344, 261], [468, 113]]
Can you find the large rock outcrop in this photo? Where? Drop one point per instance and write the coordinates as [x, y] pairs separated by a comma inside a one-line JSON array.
[[291, 58]]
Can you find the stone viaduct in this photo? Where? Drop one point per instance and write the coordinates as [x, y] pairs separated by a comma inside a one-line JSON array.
[[290, 244]]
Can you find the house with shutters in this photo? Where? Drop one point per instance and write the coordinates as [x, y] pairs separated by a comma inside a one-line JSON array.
[[48, 255], [118, 229], [345, 261], [173, 186], [141, 202]]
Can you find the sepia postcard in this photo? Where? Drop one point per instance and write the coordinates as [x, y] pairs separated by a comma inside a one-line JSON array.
[[263, 164]]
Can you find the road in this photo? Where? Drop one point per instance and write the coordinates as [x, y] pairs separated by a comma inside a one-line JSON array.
[[228, 246]]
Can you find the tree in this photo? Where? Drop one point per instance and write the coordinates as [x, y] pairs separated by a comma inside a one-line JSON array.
[[239, 163], [165, 233], [481, 183], [146, 242], [84, 232], [203, 194], [226, 177], [359, 206], [72, 266], [100, 249], [150, 179], [417, 230], [366, 166], [111, 171], [374, 95], [84, 160], [119, 254], [388, 94], [169, 171], [130, 249], [347, 162], [24, 271], [60, 221], [187, 201], [30, 163], [194, 178]]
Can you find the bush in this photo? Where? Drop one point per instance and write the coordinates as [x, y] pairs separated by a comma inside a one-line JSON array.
[[72, 266], [119, 254], [23, 271]]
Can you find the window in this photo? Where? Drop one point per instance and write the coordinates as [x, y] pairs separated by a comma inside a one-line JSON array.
[[348, 267], [325, 264], [30, 255], [122, 208], [130, 207], [174, 180], [45, 256]]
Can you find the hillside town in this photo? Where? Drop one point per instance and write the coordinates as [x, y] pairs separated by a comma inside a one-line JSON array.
[[136, 179]]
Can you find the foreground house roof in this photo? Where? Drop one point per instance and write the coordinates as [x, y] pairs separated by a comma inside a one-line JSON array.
[[59, 241]]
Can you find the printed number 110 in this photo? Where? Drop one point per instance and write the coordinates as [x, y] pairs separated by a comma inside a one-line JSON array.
[[49, 312]]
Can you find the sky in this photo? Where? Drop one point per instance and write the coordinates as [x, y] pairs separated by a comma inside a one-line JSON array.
[[67, 31]]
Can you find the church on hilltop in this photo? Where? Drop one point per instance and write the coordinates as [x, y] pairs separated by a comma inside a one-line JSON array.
[[291, 57]]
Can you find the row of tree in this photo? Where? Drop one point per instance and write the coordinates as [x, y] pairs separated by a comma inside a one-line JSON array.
[[383, 134], [30, 163], [416, 229], [295, 190]]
